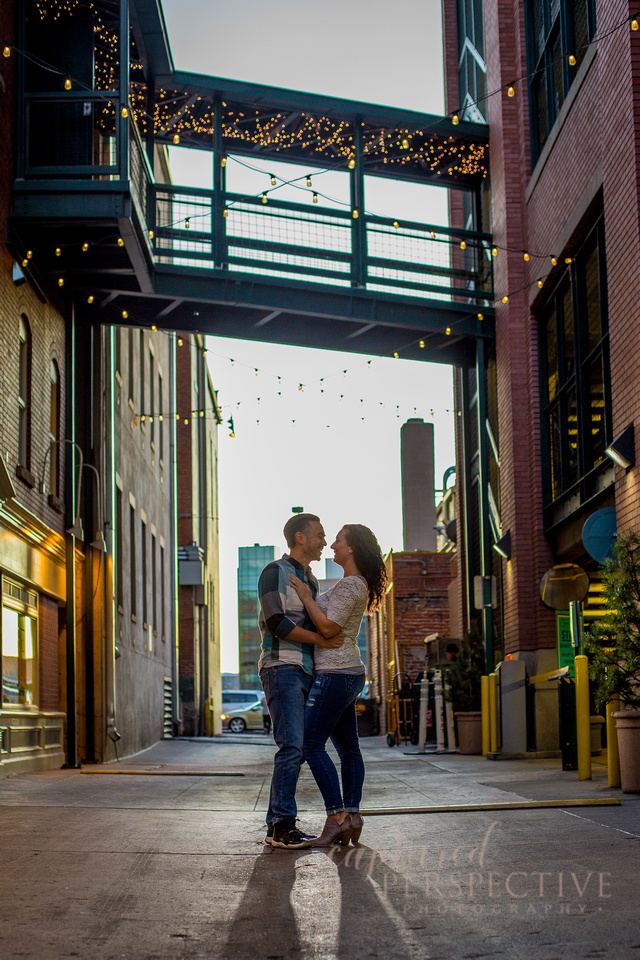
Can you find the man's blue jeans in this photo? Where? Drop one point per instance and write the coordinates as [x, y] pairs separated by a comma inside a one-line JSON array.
[[331, 712], [286, 688]]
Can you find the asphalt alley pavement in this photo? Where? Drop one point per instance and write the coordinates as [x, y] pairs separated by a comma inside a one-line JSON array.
[[164, 859]]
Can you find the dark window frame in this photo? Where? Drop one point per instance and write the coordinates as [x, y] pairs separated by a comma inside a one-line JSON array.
[[574, 381], [549, 58]]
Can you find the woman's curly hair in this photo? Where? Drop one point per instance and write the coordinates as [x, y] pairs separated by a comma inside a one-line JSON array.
[[368, 558]]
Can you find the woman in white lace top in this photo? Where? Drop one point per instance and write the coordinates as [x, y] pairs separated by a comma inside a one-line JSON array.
[[339, 679]]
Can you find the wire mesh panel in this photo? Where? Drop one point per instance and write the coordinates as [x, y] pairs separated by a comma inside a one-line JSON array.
[[183, 227], [289, 240]]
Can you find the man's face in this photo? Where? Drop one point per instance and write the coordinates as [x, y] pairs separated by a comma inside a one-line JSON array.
[[314, 540]]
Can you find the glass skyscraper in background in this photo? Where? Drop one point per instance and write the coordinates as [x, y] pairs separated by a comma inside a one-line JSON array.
[[251, 561]]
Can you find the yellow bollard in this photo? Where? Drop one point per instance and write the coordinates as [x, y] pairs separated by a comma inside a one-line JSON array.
[[493, 713], [613, 758], [484, 706], [583, 727]]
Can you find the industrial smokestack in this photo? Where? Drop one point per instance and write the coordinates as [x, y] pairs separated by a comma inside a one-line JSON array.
[[418, 485]]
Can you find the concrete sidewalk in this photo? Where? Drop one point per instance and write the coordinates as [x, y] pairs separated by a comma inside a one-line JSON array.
[[167, 860]]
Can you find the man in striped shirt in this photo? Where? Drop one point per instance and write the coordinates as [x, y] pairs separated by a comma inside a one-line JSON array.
[[286, 668]]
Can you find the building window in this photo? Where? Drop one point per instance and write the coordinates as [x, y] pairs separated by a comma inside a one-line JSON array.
[[472, 69], [142, 390], [132, 560], [160, 419], [555, 29], [131, 366], [19, 645], [119, 551], [24, 395], [145, 590], [575, 378], [152, 387], [54, 430], [162, 592], [154, 586]]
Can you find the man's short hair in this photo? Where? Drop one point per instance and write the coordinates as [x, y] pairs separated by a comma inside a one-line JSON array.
[[451, 648], [298, 524]]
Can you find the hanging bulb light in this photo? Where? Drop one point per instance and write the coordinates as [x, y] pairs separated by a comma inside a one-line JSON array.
[[61, 281], [455, 119], [6, 52], [405, 144], [58, 252], [396, 224], [124, 111], [526, 256], [421, 344], [187, 223], [125, 314], [90, 298], [67, 84], [223, 161], [554, 261], [355, 214], [176, 139], [120, 242], [463, 244], [151, 234], [25, 263], [153, 327], [448, 331], [511, 91], [480, 316], [505, 299], [634, 26], [572, 60], [308, 181], [273, 180], [567, 260], [494, 251], [225, 213], [29, 254], [180, 341], [541, 283], [352, 164], [396, 355], [315, 198], [265, 198], [85, 247]]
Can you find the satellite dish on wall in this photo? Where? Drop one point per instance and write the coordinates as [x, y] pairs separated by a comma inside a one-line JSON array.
[[599, 534], [563, 584]]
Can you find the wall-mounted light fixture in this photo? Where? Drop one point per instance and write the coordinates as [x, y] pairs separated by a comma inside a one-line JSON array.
[[623, 449], [503, 546]]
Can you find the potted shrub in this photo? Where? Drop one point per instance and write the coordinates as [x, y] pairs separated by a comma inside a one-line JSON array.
[[613, 644], [462, 690]]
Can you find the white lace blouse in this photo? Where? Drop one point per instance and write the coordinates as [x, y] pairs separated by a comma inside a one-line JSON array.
[[344, 604]]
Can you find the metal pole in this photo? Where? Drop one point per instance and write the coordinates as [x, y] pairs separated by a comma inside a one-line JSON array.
[[493, 713], [483, 495], [613, 757], [70, 545], [582, 717], [465, 492], [486, 715]]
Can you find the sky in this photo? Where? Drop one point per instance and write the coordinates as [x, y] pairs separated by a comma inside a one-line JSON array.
[[332, 447]]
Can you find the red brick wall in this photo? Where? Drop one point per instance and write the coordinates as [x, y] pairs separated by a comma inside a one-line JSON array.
[[421, 604]]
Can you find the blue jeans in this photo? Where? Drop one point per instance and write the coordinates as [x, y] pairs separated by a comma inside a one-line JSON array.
[[331, 712], [286, 689]]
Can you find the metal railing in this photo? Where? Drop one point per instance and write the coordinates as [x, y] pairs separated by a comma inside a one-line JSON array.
[[290, 241]]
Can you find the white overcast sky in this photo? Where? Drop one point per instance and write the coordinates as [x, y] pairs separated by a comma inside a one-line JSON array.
[[335, 453]]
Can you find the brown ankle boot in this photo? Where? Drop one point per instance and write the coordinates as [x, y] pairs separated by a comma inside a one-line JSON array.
[[334, 832], [356, 826]]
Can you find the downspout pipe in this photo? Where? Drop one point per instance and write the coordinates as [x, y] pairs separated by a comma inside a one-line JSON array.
[[70, 541]]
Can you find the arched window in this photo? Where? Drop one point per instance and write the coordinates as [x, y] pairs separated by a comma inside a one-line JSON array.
[[24, 395], [54, 430]]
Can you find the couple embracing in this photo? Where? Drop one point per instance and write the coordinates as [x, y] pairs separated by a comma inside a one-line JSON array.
[[312, 673]]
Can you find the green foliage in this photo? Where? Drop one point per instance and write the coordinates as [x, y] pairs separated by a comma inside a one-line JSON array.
[[463, 674], [613, 642]]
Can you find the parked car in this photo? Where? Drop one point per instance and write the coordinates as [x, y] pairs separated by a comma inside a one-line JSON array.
[[242, 710]]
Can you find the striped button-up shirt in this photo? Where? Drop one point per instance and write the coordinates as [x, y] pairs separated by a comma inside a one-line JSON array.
[[281, 609]]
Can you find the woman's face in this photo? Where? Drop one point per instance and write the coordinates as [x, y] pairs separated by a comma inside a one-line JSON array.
[[341, 549]]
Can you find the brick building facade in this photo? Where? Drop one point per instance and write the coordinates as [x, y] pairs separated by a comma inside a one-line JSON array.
[[416, 605], [564, 126]]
